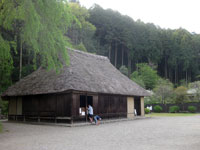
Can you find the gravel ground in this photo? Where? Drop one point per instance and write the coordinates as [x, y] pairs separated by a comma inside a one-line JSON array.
[[161, 133]]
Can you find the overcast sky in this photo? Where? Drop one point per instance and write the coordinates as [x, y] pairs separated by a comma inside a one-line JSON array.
[[171, 14]]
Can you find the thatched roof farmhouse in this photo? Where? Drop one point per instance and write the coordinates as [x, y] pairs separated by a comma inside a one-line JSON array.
[[89, 79]]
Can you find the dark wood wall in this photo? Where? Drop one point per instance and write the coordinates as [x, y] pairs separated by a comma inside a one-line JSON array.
[[76, 104], [112, 105], [47, 105], [103, 104], [67, 105]]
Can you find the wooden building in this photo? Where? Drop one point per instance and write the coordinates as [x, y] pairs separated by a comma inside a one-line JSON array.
[[63, 97]]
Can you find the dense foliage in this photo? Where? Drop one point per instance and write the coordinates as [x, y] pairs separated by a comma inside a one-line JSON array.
[[36, 33], [181, 92], [146, 74], [174, 109], [4, 107], [147, 111], [192, 109], [32, 35], [174, 53], [157, 109], [164, 91], [195, 86]]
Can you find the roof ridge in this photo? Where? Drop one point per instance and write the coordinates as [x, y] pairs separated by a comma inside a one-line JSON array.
[[89, 54]]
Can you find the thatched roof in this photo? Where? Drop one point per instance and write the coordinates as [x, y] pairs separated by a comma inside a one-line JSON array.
[[86, 72]]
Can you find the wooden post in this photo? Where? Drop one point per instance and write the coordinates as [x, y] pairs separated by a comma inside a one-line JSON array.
[[16, 109], [8, 108], [130, 107], [142, 105], [72, 106], [86, 108], [55, 110], [39, 110]]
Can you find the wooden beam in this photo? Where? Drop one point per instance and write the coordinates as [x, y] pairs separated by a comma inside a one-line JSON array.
[[86, 108]]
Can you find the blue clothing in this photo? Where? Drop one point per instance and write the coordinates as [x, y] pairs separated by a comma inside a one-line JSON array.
[[96, 118]]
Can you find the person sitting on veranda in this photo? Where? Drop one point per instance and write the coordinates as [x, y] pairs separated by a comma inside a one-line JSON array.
[[97, 119]]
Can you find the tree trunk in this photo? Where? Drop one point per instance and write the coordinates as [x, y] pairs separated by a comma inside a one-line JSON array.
[[109, 53], [122, 56], [20, 61], [72, 35], [186, 77], [189, 76], [116, 54], [175, 75], [76, 38], [165, 67], [129, 63]]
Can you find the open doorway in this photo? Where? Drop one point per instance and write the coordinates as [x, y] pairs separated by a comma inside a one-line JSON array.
[[84, 102], [137, 104]]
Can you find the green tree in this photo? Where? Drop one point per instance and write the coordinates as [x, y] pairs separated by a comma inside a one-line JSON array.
[[6, 64], [175, 53], [37, 28], [196, 86], [137, 79], [4, 107], [81, 32], [181, 92], [164, 91], [147, 75], [124, 70]]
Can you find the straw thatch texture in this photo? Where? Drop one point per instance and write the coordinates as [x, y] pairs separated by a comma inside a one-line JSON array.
[[86, 72]]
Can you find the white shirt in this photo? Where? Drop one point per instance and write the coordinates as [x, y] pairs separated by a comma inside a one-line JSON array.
[[90, 110]]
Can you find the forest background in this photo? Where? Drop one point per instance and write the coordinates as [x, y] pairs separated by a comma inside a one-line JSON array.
[[36, 33]]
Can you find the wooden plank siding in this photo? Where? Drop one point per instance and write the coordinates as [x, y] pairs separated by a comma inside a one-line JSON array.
[[105, 105], [64, 107], [111, 106], [47, 105]]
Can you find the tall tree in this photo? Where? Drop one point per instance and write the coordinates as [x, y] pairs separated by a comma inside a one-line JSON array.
[[37, 28], [6, 64], [81, 32], [147, 75]]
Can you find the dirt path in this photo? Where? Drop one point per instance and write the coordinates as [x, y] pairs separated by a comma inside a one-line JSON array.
[[166, 133]]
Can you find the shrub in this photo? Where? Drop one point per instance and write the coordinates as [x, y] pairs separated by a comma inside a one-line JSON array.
[[147, 111], [192, 109], [174, 109], [0, 127], [157, 108], [4, 107]]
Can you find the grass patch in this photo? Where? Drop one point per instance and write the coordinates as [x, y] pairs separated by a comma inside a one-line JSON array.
[[1, 128], [169, 114]]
